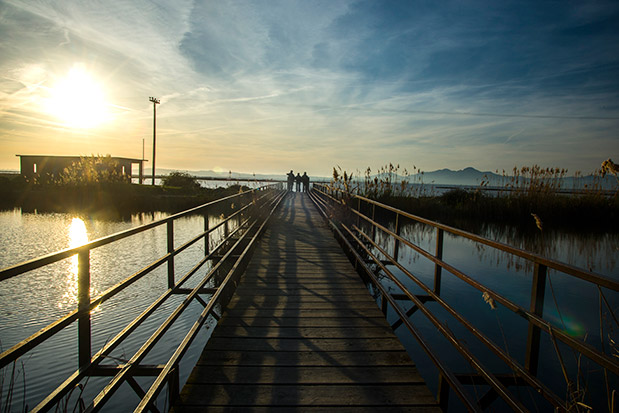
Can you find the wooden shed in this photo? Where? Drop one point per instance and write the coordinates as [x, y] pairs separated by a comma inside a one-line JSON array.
[[49, 166]]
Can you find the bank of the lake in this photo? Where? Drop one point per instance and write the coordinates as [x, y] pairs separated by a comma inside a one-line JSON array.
[[105, 200], [472, 210]]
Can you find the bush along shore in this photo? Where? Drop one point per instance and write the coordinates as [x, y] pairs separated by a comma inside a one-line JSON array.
[[531, 198], [108, 199]]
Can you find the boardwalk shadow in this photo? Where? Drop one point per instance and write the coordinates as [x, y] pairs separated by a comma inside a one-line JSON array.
[[303, 331]]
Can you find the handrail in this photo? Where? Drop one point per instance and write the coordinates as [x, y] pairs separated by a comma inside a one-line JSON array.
[[27, 344], [157, 386], [590, 276], [51, 258], [360, 262], [249, 209], [325, 195]]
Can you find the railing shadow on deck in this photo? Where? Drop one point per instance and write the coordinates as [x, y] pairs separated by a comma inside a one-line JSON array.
[[354, 219], [247, 214]]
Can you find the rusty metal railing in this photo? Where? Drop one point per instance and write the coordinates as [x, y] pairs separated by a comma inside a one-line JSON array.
[[251, 212], [363, 250]]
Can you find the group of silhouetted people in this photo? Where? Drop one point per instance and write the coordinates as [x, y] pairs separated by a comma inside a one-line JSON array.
[[297, 181]]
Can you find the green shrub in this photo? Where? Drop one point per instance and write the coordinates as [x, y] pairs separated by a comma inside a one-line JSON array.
[[180, 180]]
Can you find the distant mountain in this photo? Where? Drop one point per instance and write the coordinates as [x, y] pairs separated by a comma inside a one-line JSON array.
[[466, 176], [473, 177]]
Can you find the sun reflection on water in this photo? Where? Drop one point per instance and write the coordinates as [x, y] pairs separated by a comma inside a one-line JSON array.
[[78, 235]]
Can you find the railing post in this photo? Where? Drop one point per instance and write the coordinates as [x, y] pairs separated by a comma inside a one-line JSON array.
[[373, 220], [226, 229], [83, 307], [537, 307], [359, 211], [173, 385], [439, 254], [170, 230], [443, 392], [383, 304], [396, 247], [207, 247]]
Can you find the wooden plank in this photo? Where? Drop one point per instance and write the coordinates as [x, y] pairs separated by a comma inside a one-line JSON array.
[[304, 344], [305, 395], [302, 322], [415, 408], [307, 299], [304, 358], [302, 312], [240, 304], [306, 375], [303, 290], [302, 332]]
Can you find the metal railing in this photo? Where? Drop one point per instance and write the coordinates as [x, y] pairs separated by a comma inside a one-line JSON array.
[[251, 211], [359, 239]]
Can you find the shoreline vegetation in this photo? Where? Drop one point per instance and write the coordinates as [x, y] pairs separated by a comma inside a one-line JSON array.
[[531, 198], [106, 197]]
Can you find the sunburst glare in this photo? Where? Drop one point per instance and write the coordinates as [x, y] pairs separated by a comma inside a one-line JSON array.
[[77, 100]]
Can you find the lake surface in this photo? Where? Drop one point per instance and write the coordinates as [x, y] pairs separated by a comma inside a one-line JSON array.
[[570, 304], [31, 301]]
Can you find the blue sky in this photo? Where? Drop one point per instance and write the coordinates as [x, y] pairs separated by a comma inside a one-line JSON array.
[[269, 86]]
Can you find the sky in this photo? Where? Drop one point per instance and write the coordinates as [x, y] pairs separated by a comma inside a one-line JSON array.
[[266, 86]]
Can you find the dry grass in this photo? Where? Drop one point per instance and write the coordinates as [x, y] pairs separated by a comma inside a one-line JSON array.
[[587, 205]]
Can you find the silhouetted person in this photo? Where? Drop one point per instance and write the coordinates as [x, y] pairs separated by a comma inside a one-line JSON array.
[[297, 179], [290, 176], [305, 179]]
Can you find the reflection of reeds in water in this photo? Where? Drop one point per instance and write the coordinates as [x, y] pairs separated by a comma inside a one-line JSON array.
[[11, 380], [574, 373]]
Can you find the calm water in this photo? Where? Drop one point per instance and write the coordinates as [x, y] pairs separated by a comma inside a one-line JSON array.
[[30, 302], [571, 304], [33, 300]]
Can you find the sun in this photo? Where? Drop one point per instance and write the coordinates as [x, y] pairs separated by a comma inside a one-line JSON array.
[[77, 100]]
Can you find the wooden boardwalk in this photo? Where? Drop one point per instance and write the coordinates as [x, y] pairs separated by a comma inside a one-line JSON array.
[[302, 332]]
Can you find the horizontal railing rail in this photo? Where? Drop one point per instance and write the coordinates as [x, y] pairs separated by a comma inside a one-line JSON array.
[[363, 246], [251, 209]]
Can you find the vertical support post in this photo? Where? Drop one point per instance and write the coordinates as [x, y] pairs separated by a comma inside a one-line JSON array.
[[443, 392], [226, 229], [358, 210], [373, 225], [207, 247], [383, 304], [83, 307], [170, 230], [396, 247], [173, 385], [439, 254], [538, 290]]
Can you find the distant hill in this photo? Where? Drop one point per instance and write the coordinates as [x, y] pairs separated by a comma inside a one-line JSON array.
[[466, 176], [473, 177]]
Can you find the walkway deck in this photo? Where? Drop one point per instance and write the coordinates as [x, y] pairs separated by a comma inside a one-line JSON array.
[[302, 332]]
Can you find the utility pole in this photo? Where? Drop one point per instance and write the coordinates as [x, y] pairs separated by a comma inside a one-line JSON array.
[[155, 103]]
